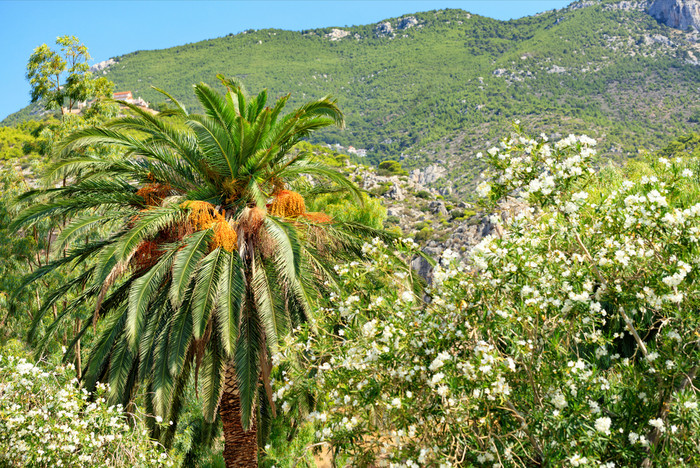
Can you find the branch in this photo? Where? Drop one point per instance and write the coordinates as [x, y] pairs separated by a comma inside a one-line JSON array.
[[654, 435], [533, 440], [625, 317], [306, 449]]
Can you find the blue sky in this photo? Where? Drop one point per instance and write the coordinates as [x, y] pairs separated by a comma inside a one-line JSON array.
[[111, 28]]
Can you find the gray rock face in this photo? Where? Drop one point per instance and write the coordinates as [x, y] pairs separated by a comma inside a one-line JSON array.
[[102, 65], [395, 192], [407, 22], [679, 14], [438, 207], [337, 34], [383, 29], [465, 235], [421, 265], [428, 175]]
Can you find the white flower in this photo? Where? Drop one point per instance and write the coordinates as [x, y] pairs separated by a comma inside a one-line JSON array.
[[437, 378], [559, 401], [483, 189], [579, 197], [407, 296], [603, 425], [657, 423], [578, 460]]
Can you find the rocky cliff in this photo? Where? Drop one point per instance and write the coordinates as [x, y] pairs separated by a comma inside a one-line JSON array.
[[679, 14]]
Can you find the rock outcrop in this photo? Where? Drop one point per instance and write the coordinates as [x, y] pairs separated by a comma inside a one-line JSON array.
[[383, 29], [337, 34], [100, 66], [679, 14], [408, 22], [428, 175]]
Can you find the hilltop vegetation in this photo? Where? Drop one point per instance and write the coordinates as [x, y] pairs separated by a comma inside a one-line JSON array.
[[448, 82]]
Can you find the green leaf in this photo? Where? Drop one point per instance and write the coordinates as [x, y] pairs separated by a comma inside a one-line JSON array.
[[180, 338], [205, 289], [247, 358], [185, 264], [142, 293], [212, 378], [231, 295]]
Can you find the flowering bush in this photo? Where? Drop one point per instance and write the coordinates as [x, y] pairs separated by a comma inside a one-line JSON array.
[[46, 420], [569, 339]]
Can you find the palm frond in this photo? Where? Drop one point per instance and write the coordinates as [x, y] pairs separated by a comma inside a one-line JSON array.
[[185, 264], [205, 289], [80, 226], [247, 358], [100, 355], [141, 295], [180, 338], [265, 304], [76, 255], [231, 296], [120, 364], [162, 378], [213, 368], [178, 104], [147, 224]]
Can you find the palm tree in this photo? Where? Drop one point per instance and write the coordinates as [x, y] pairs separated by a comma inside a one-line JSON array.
[[195, 250]]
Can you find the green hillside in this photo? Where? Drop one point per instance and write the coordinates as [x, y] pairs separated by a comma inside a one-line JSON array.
[[441, 88]]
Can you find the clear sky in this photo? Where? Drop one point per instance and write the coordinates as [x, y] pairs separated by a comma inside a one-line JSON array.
[[112, 28]]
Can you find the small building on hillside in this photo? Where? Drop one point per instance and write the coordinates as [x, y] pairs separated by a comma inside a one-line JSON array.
[[127, 96], [124, 96]]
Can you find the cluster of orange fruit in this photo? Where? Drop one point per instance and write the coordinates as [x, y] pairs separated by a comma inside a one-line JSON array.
[[290, 204], [203, 215]]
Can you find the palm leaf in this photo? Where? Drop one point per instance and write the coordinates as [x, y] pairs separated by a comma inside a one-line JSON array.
[[212, 378], [231, 295], [204, 296], [247, 358], [185, 264], [141, 294]]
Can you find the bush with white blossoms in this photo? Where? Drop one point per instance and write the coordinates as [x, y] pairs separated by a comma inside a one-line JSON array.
[[47, 420], [570, 338]]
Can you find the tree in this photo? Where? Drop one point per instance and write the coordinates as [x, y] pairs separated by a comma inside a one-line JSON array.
[[47, 69], [204, 256]]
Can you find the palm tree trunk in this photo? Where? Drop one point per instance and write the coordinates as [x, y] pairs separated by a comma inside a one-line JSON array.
[[241, 447]]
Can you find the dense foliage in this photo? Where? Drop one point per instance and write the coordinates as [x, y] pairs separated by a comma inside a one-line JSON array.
[[570, 337], [48, 420]]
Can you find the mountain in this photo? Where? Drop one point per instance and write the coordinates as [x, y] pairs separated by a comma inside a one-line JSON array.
[[439, 86], [680, 14]]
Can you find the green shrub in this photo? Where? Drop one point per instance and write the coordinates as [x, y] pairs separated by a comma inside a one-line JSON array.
[[390, 167], [570, 340], [424, 234], [47, 420]]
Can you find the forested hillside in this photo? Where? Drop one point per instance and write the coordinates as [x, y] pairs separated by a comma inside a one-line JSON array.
[[437, 86]]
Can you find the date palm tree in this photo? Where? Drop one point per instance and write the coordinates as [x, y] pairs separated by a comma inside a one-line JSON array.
[[195, 250]]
